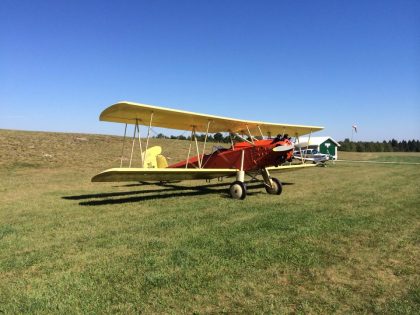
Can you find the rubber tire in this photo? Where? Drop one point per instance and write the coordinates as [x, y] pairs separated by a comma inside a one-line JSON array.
[[278, 188], [237, 190]]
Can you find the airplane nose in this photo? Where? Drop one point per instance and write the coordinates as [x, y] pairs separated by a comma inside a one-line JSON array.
[[283, 148]]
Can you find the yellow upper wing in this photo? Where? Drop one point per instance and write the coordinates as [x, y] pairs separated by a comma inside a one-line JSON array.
[[126, 112]]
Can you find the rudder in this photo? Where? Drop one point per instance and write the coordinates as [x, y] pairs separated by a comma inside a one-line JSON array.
[[161, 161]]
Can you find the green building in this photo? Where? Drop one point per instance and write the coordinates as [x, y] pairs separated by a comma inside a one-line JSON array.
[[326, 145]]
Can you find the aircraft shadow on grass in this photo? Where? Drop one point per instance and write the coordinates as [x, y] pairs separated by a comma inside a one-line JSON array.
[[170, 191]]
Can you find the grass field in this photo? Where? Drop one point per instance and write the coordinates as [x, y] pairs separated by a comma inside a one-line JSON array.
[[340, 239]]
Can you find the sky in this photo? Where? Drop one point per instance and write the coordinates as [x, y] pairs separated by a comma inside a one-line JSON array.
[[326, 63]]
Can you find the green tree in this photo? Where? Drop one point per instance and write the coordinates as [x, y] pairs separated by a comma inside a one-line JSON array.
[[218, 137]]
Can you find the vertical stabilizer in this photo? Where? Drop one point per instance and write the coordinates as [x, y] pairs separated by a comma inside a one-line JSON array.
[[150, 155]]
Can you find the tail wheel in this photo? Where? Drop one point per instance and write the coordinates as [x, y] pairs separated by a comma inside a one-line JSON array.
[[237, 190], [276, 187]]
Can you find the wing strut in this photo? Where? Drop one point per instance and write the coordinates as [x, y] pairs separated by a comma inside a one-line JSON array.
[[262, 135], [300, 149], [122, 150], [205, 141], [140, 146], [307, 146], [148, 136], [246, 140], [231, 140], [194, 138], [137, 132], [196, 146], [250, 135], [189, 150], [132, 146]]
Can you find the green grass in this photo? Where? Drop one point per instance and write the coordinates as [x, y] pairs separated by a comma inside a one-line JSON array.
[[399, 158], [406, 157], [344, 238]]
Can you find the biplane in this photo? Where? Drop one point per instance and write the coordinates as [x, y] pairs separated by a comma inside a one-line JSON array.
[[311, 155], [257, 149]]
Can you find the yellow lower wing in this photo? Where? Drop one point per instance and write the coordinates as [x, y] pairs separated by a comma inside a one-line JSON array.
[[288, 168], [160, 174], [175, 174]]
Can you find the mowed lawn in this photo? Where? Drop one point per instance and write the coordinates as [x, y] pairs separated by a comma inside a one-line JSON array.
[[344, 238]]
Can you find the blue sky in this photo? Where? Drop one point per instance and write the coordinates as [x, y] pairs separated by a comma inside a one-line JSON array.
[[328, 63]]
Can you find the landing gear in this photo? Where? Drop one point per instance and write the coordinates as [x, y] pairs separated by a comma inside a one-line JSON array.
[[237, 190], [275, 188], [272, 185]]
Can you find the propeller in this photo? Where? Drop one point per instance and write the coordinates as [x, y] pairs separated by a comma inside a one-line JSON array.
[[283, 148]]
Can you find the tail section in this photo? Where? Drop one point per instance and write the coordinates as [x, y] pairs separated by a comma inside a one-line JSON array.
[[150, 157], [153, 158]]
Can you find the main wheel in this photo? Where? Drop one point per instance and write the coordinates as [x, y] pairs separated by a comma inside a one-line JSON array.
[[237, 190], [276, 188]]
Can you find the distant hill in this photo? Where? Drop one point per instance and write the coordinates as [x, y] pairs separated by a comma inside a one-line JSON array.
[[54, 149]]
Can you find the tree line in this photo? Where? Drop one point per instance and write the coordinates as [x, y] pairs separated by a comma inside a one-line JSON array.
[[384, 146], [217, 137], [346, 145]]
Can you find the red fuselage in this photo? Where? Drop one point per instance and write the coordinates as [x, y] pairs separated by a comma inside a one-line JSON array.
[[258, 155]]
